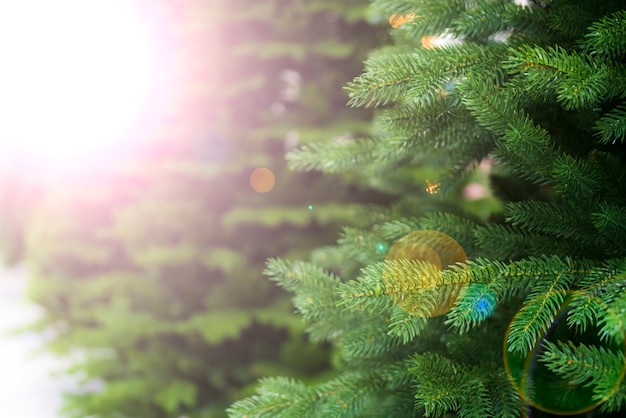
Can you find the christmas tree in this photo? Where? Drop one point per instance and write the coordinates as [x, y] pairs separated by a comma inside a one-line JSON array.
[[438, 310], [149, 271]]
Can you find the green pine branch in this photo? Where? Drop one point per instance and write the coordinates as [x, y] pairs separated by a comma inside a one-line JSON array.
[[606, 37], [431, 16], [548, 218], [611, 127], [276, 397], [344, 154], [572, 78], [419, 78], [584, 365], [486, 18], [445, 386], [348, 395]]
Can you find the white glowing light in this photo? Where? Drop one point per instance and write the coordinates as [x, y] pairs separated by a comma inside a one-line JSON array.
[[74, 75]]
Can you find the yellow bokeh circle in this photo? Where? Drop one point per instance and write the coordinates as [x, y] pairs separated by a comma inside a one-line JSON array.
[[413, 273]]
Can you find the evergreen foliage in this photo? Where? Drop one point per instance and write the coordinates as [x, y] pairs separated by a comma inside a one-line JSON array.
[[149, 273], [534, 93]]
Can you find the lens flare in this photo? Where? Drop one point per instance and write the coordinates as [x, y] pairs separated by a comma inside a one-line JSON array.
[[262, 180], [482, 301], [550, 392], [382, 247], [75, 77], [413, 275]]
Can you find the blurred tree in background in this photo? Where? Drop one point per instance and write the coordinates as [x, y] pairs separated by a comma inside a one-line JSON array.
[[149, 271]]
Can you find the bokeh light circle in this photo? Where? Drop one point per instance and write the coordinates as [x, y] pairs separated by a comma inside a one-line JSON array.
[[545, 390], [425, 293], [382, 247], [483, 301], [262, 180]]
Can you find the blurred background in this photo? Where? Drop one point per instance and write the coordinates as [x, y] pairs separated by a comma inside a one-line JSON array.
[[143, 186]]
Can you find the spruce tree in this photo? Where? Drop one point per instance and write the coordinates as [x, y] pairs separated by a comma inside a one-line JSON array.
[[149, 270], [436, 311]]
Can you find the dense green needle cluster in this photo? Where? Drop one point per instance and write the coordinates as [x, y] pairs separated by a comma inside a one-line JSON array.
[[537, 91]]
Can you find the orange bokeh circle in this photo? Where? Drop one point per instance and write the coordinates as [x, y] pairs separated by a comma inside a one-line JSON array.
[[262, 180]]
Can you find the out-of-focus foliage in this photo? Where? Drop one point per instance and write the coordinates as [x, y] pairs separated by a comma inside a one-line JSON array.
[[149, 272]]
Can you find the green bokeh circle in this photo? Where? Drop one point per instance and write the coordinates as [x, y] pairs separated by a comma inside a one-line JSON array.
[[547, 391]]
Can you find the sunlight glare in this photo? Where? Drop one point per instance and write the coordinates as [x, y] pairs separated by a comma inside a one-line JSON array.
[[75, 75]]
